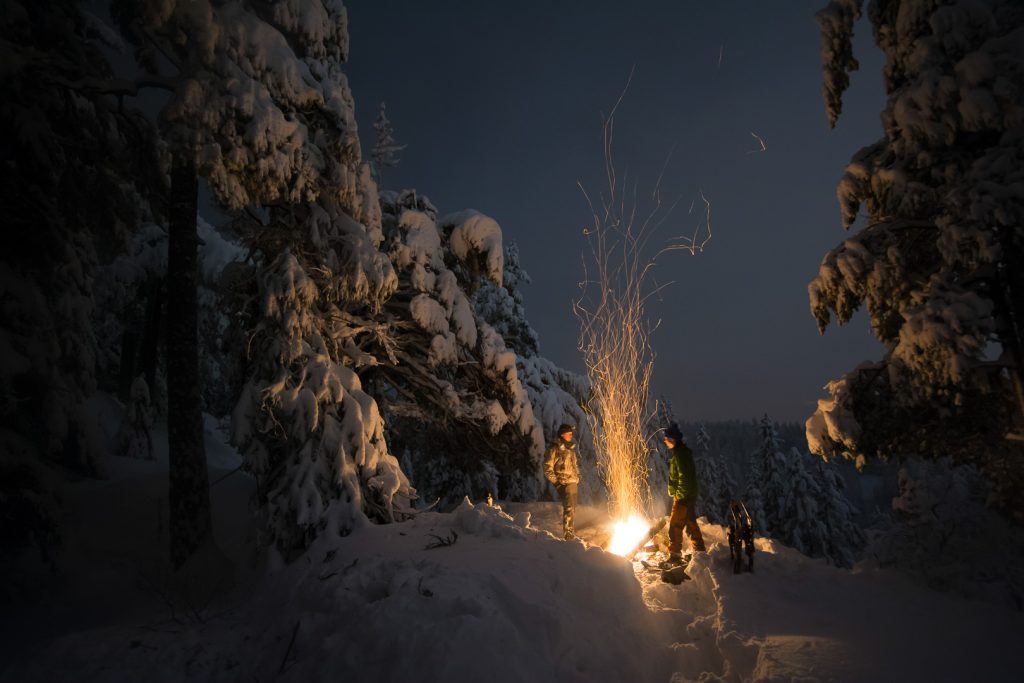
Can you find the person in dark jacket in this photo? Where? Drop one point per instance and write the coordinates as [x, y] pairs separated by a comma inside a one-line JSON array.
[[562, 469], [683, 487]]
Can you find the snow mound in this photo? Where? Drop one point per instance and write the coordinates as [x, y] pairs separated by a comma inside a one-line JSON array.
[[445, 597], [480, 594]]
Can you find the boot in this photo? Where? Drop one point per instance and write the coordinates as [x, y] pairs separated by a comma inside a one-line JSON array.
[[674, 560]]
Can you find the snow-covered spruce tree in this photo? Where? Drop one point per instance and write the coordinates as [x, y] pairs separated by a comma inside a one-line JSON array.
[[129, 303], [501, 305], [944, 533], [64, 215], [799, 502], [754, 502], [129, 298], [444, 376], [311, 435], [223, 275], [134, 438], [843, 536], [385, 149], [717, 487], [939, 263], [557, 395], [766, 479], [797, 521], [262, 111], [703, 439]]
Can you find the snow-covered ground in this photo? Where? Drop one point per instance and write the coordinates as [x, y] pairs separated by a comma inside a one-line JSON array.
[[504, 600]]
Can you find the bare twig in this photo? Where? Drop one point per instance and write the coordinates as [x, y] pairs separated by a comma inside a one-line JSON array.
[[442, 542]]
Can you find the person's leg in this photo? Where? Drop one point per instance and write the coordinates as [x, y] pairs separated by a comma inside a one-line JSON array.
[[563, 498], [675, 527], [569, 510], [693, 529]]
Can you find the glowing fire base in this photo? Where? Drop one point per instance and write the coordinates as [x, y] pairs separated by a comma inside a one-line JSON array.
[[629, 534]]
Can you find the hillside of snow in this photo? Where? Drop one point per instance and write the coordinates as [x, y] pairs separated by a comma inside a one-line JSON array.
[[474, 594]]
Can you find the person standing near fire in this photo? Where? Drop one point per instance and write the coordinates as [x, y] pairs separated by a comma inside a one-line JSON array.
[[562, 469], [683, 488]]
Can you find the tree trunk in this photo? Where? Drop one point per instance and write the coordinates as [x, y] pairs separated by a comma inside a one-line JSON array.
[[1010, 281], [189, 494]]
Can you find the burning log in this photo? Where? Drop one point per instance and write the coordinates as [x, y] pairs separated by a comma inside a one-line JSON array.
[[634, 548]]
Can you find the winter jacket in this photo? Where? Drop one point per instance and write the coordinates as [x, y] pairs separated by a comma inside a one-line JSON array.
[[682, 473], [560, 466]]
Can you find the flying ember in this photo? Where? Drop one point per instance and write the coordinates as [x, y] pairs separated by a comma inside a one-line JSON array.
[[615, 334]]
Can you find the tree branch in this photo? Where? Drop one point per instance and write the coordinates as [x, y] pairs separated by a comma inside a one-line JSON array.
[[118, 86]]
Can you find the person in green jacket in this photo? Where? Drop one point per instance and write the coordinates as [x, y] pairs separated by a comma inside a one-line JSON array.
[[683, 487]]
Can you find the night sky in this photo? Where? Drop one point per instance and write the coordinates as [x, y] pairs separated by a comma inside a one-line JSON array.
[[500, 105]]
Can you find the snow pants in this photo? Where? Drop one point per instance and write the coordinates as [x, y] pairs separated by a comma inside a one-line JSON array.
[[684, 514], [567, 492]]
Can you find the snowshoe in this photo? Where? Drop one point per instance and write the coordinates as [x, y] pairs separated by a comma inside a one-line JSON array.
[[673, 572], [676, 561], [676, 575], [741, 537]]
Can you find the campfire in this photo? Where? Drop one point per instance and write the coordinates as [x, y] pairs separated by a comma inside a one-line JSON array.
[[628, 535]]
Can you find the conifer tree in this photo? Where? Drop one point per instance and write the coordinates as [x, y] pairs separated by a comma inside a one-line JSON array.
[[843, 536], [939, 261], [501, 305], [385, 149], [800, 501], [765, 495], [440, 370], [64, 216], [797, 521], [261, 110], [716, 485]]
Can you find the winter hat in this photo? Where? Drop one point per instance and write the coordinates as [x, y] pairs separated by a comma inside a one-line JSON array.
[[563, 428], [673, 433]]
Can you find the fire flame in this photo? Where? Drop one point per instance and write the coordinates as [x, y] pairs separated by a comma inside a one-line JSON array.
[[628, 534]]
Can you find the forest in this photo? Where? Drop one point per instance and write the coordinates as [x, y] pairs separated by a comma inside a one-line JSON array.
[[239, 372]]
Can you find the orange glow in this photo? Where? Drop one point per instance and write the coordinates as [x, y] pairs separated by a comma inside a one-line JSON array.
[[628, 534]]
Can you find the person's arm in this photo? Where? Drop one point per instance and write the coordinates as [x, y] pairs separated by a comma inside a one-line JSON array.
[[690, 485], [673, 476], [549, 464]]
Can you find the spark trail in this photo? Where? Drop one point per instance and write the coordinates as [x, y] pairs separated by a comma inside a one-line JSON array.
[[614, 329], [764, 147]]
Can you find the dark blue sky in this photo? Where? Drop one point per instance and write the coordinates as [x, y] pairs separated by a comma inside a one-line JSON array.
[[500, 106]]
